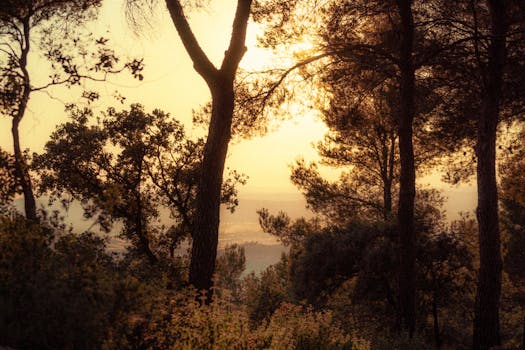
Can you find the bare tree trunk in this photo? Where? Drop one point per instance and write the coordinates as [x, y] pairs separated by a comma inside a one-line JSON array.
[[22, 174], [486, 323], [140, 229], [220, 81], [407, 189], [206, 222], [21, 168]]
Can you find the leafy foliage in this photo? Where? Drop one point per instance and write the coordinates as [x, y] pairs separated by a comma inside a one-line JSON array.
[[124, 167], [8, 186], [230, 266], [60, 291], [263, 294]]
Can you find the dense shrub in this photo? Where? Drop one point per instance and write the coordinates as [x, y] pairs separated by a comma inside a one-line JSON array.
[[58, 293]]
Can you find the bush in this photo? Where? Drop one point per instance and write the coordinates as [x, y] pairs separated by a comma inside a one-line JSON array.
[[293, 327], [59, 293], [180, 322], [263, 294], [399, 342]]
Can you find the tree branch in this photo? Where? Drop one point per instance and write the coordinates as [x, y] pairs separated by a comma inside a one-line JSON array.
[[201, 62], [237, 47]]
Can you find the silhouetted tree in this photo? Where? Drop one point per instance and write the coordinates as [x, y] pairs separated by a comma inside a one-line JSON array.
[[220, 82], [153, 164], [59, 290], [407, 176], [482, 58], [486, 323], [54, 26], [366, 48], [358, 260], [362, 137]]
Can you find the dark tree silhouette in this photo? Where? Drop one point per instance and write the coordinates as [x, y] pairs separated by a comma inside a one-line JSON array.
[[155, 164], [20, 21], [373, 43], [220, 82], [486, 323], [407, 177]]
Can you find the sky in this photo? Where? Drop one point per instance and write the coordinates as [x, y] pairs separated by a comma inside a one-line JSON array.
[[171, 84]]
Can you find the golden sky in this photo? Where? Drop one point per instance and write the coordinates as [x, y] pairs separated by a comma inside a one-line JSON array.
[[171, 84]]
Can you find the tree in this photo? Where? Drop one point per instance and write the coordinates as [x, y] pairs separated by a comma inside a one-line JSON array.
[[43, 274], [484, 54], [407, 177], [363, 139], [22, 24], [78, 164], [367, 45], [486, 323], [351, 266], [446, 275], [220, 82], [156, 164]]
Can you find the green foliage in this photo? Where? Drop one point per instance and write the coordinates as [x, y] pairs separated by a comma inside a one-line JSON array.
[[513, 202], [326, 259], [52, 297]]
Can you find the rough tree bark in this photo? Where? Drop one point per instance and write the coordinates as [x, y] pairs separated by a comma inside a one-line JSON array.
[[220, 82], [486, 323], [21, 167], [407, 189]]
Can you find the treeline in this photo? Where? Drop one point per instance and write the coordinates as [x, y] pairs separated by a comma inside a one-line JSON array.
[[405, 88]]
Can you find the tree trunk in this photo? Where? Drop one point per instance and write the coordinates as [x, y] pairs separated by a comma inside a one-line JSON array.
[[21, 168], [407, 188], [206, 221], [220, 81], [486, 323], [140, 229], [22, 174]]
